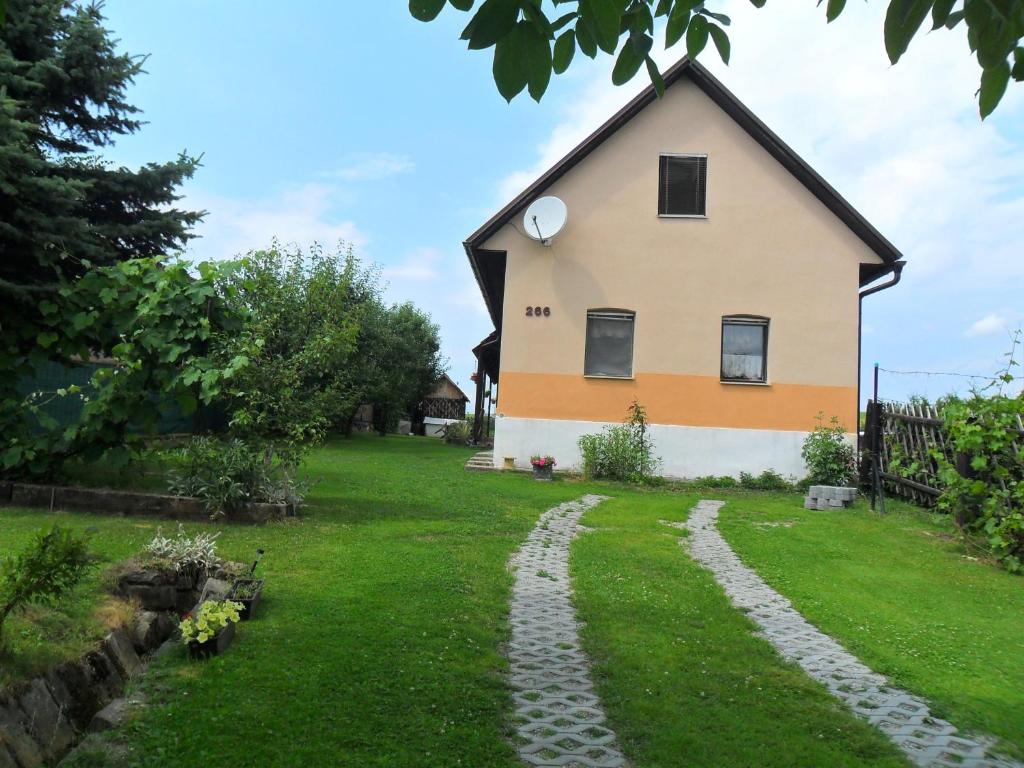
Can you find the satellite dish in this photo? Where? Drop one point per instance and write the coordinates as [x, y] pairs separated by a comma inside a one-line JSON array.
[[544, 219]]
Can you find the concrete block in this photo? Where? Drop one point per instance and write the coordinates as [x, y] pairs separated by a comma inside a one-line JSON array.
[[809, 502]]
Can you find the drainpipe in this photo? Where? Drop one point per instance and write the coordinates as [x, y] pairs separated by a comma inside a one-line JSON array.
[[897, 273]]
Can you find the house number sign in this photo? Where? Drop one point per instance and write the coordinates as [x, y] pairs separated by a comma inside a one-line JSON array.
[[538, 311]]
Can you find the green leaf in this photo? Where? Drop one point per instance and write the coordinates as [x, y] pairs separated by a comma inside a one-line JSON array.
[[993, 86], [833, 9], [676, 24], [425, 10], [656, 78], [758, 3], [492, 22], [509, 69], [627, 64], [11, 457], [561, 21], [47, 307], [696, 36], [605, 20], [1018, 64], [721, 18], [903, 18], [565, 49], [537, 49], [941, 11], [586, 41], [721, 41], [461, 5], [995, 42], [46, 339], [3, 11]]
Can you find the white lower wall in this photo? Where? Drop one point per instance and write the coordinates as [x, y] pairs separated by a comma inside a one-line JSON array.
[[686, 452]]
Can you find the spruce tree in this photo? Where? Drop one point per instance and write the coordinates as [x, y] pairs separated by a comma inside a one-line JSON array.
[[63, 91]]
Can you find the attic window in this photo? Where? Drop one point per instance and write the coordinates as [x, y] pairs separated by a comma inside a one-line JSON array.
[[682, 185]]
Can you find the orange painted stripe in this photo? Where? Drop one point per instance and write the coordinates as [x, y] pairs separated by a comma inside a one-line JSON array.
[[695, 401]]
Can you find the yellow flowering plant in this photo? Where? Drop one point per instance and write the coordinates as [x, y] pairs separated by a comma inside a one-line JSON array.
[[211, 618]]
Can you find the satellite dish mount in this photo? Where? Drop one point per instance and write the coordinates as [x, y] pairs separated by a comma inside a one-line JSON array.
[[545, 219]]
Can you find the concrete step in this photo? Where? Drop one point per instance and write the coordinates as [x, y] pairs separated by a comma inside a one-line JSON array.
[[481, 461]]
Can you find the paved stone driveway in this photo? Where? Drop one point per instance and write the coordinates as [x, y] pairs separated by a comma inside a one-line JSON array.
[[904, 718], [559, 720]]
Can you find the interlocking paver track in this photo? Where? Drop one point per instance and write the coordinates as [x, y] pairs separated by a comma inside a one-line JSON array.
[[927, 740], [559, 719]]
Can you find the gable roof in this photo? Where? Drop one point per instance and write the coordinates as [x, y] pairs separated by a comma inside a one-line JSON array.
[[490, 275], [444, 385]]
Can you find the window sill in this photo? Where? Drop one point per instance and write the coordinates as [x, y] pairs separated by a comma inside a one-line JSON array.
[[612, 378], [682, 216], [745, 383]]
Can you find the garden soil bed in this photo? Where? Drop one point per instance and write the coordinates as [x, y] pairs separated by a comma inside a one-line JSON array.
[[59, 497]]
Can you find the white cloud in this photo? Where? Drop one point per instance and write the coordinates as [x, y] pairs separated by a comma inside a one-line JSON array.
[[299, 215], [421, 265], [370, 167], [988, 325]]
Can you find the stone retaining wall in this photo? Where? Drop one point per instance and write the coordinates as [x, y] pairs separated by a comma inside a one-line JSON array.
[[58, 497], [40, 720]]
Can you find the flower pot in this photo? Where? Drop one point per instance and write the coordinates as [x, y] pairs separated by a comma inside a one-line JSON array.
[[543, 472], [249, 603], [215, 646]]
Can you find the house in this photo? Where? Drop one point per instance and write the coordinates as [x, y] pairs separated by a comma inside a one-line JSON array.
[[445, 404], [704, 270]]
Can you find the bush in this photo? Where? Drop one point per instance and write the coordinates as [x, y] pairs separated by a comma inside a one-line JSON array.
[[830, 458], [990, 498], [711, 481], [194, 555], [622, 452], [228, 473], [769, 480], [457, 432], [52, 564]]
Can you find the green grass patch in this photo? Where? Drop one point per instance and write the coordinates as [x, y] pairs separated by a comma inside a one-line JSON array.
[[903, 594], [379, 636], [684, 680]]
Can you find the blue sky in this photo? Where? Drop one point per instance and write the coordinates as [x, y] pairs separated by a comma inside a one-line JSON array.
[[326, 121]]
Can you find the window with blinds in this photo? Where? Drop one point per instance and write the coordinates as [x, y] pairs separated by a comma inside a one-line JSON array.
[[745, 349], [609, 350], [682, 187]]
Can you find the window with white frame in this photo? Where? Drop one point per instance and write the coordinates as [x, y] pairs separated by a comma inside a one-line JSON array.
[[745, 349], [609, 350], [682, 185]]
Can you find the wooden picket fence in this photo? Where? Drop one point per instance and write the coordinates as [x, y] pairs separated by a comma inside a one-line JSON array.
[[909, 435]]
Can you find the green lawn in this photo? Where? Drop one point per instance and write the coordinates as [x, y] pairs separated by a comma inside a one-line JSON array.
[[385, 612], [683, 679], [903, 594]]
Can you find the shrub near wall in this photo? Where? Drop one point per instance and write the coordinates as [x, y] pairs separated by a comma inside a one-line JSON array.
[[986, 493], [623, 452]]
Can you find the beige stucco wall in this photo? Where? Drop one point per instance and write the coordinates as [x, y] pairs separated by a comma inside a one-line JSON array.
[[767, 247]]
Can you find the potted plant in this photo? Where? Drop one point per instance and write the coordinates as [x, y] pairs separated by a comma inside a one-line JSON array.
[[210, 631], [246, 592], [543, 467]]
